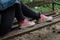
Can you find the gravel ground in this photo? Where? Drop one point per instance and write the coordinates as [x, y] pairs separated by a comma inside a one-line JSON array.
[[48, 33]]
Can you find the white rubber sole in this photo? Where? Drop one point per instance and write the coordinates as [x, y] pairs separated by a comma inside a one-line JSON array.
[[27, 26], [49, 19]]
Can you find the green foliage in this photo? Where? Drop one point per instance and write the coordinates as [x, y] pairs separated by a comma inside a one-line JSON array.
[[42, 8], [26, 1]]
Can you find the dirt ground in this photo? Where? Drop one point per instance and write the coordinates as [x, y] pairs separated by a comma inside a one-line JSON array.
[[51, 32]]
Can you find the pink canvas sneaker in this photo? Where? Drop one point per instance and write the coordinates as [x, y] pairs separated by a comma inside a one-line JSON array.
[[25, 23], [44, 18]]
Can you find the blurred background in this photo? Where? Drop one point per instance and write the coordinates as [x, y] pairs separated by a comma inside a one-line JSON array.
[[44, 7]]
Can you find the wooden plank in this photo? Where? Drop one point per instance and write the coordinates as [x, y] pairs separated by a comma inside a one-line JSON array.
[[39, 3], [55, 2], [27, 30]]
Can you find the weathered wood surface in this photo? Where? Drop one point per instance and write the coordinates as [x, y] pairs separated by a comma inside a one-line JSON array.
[[39, 3], [27, 30]]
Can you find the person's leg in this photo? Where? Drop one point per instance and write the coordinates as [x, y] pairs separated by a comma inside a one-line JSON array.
[[23, 22], [7, 20], [18, 13], [29, 12]]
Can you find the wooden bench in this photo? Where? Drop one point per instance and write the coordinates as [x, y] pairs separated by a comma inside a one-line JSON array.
[[16, 32]]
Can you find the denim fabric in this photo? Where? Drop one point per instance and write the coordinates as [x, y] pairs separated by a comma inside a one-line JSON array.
[[6, 3]]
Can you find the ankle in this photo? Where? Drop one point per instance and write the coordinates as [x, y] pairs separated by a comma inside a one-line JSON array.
[[21, 22], [40, 17]]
